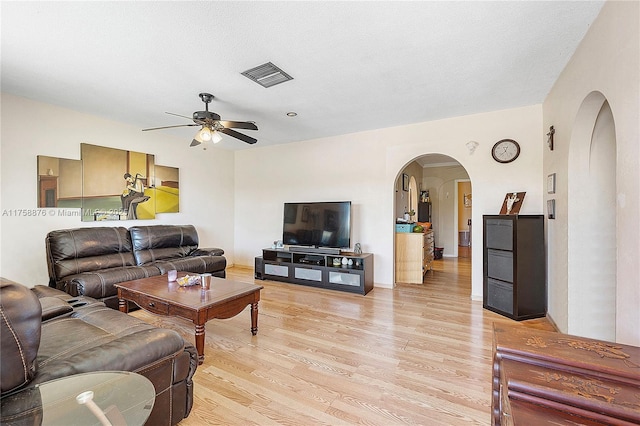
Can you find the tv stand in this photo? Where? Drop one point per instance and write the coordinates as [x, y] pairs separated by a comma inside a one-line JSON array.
[[317, 269], [322, 250]]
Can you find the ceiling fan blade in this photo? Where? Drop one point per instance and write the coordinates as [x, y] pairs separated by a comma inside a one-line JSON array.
[[178, 115], [249, 125], [170, 127], [238, 135], [195, 143]]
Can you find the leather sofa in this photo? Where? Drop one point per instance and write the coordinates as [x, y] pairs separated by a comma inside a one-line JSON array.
[[47, 334], [90, 261]]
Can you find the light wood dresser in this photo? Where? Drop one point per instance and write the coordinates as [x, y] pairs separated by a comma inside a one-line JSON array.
[[414, 255]]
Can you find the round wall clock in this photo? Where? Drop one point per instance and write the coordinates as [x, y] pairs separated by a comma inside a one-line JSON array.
[[505, 151]]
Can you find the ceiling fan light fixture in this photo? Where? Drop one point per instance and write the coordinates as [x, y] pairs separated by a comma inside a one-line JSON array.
[[204, 134], [211, 126]]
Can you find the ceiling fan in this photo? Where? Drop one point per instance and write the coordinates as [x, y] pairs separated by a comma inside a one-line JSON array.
[[212, 126]]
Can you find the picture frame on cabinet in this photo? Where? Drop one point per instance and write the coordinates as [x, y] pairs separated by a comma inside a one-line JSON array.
[[512, 202], [405, 182], [551, 209], [551, 183]]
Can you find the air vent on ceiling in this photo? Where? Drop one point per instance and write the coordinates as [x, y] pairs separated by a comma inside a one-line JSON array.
[[267, 75]]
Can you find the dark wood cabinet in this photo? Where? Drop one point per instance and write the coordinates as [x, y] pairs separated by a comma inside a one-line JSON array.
[[349, 272], [546, 378], [514, 266]]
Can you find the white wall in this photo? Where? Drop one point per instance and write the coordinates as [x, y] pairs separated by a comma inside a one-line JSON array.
[[363, 168], [206, 181], [605, 66]]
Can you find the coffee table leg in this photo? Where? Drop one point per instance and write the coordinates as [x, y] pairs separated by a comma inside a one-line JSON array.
[[123, 306], [254, 318], [200, 342]]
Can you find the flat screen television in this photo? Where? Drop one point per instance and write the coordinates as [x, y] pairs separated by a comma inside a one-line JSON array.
[[321, 224]]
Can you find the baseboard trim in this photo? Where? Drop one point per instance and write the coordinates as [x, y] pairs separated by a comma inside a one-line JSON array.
[[553, 323]]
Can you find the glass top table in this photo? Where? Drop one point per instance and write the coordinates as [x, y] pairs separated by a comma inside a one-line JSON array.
[[98, 398]]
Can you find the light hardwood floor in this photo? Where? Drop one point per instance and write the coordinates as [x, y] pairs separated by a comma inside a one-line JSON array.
[[413, 355]]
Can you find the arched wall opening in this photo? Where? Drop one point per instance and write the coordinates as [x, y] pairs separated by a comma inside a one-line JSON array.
[[437, 178], [592, 254]]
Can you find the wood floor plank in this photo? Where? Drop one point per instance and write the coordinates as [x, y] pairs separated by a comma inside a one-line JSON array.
[[418, 354]]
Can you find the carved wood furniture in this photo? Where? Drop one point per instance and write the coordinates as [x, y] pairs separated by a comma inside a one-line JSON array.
[[224, 299], [541, 377]]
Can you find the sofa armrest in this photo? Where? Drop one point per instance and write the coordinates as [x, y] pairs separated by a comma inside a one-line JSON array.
[[20, 335], [44, 291], [53, 307], [212, 251]]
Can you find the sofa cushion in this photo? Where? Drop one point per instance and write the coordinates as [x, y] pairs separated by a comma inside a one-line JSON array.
[[20, 321], [103, 339], [159, 242], [73, 251]]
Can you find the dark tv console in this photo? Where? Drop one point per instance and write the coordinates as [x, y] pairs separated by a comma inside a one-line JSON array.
[[319, 250], [318, 270]]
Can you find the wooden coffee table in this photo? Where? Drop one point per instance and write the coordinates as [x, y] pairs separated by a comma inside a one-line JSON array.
[[224, 299]]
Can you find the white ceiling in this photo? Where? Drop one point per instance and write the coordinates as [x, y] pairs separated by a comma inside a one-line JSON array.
[[356, 65]]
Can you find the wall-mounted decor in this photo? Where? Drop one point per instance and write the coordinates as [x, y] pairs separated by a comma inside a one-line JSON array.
[[405, 182], [471, 146], [512, 203], [59, 182], [467, 200], [108, 184], [552, 131], [505, 151], [551, 184], [551, 209]]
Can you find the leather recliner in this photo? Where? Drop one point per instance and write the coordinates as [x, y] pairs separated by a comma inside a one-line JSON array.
[[47, 334]]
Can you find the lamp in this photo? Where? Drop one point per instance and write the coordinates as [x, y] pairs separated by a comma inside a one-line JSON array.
[[207, 134], [204, 134]]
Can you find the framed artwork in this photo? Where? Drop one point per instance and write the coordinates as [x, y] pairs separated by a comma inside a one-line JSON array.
[[108, 184], [467, 200], [551, 184], [551, 209], [512, 202], [405, 182]]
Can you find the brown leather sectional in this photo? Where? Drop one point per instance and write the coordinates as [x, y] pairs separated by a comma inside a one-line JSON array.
[[90, 261], [48, 334]]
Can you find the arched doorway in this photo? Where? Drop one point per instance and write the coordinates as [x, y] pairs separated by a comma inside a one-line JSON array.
[[436, 177], [592, 256]]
